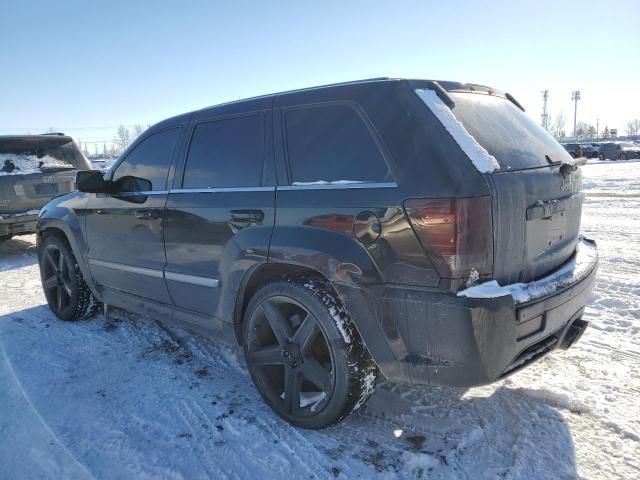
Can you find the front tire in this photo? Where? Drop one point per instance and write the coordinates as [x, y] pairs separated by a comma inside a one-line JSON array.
[[67, 294], [601, 156], [623, 157], [304, 354]]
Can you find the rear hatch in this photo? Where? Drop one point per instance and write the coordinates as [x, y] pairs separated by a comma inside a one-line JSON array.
[[35, 168], [536, 192]]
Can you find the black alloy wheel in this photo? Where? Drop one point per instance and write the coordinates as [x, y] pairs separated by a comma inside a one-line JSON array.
[[67, 294], [300, 360]]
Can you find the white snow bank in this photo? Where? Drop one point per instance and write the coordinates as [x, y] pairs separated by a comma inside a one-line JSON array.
[[25, 164], [482, 160], [574, 270]]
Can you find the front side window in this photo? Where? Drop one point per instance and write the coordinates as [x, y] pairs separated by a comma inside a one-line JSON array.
[[148, 161], [332, 144], [226, 153]]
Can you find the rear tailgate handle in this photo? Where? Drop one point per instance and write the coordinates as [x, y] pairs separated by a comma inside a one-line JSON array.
[[247, 216], [147, 214], [551, 207]]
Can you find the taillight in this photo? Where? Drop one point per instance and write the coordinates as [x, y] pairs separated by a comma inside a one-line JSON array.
[[456, 233]]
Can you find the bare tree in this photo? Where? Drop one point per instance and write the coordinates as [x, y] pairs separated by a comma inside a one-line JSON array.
[[633, 127], [122, 139], [136, 131], [605, 132], [585, 130], [557, 127]]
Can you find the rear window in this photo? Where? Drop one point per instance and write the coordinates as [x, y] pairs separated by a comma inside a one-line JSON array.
[[506, 132], [330, 144], [20, 156]]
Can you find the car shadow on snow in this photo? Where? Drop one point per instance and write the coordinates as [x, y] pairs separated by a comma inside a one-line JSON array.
[[17, 253], [192, 397], [489, 432]]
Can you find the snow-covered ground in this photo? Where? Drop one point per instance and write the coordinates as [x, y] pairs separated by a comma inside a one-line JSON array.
[[123, 398]]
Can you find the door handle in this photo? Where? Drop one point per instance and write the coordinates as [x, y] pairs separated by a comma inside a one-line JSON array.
[[147, 214], [247, 216]]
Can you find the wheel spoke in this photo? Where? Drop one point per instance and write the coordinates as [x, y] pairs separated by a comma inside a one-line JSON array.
[[281, 328], [49, 259], [66, 287], [306, 333], [266, 356], [292, 385], [60, 262], [316, 374], [50, 282], [59, 297]]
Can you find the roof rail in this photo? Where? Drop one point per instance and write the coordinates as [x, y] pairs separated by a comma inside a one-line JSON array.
[[306, 89]]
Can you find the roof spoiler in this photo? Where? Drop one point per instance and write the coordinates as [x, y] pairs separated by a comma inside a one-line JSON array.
[[441, 93], [514, 101]]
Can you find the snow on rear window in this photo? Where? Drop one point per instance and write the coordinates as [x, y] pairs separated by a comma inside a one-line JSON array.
[[21, 164], [481, 159]]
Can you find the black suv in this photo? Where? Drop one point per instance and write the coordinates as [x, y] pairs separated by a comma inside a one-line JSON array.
[[425, 230]]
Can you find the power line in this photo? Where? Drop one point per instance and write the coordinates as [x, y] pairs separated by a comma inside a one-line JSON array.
[[73, 128]]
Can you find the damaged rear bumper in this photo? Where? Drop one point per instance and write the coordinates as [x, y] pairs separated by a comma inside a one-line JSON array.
[[19, 223], [424, 337]]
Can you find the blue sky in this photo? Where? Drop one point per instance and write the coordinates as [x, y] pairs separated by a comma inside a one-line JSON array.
[[86, 67]]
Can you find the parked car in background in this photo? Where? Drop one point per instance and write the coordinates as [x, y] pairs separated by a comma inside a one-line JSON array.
[[589, 150], [619, 151], [574, 149], [336, 236], [34, 169]]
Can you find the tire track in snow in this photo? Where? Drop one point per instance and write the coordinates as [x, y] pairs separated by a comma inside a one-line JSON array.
[[36, 414]]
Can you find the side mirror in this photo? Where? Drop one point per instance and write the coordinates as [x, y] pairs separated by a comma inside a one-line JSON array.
[[91, 181], [130, 184]]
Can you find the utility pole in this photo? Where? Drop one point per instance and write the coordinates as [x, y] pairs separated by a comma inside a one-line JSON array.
[[597, 127], [575, 96], [545, 113]]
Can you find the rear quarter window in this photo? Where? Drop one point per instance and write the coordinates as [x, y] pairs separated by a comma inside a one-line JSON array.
[[332, 143]]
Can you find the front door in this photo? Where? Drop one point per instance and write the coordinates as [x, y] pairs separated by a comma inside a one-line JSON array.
[[125, 229], [223, 202]]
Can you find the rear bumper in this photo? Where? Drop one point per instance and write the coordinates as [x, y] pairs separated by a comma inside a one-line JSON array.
[[426, 337], [17, 224]]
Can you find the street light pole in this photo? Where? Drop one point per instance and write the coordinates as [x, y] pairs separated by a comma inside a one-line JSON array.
[[597, 127], [575, 96]]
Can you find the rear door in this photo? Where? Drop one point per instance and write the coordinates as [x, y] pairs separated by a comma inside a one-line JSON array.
[[125, 231], [221, 208], [537, 203]]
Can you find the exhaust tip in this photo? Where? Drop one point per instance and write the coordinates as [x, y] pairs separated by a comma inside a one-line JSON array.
[[573, 333]]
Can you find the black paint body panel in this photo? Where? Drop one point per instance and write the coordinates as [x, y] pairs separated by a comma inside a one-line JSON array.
[[195, 261]]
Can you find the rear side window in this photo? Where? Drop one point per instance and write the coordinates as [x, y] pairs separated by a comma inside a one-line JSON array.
[[506, 132], [226, 153], [331, 143], [150, 160]]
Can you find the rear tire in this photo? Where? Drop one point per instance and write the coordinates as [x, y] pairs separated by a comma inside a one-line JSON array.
[[601, 156], [304, 353], [623, 157], [67, 294], [4, 238]]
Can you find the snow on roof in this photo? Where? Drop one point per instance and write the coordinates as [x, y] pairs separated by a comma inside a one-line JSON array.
[[481, 159]]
